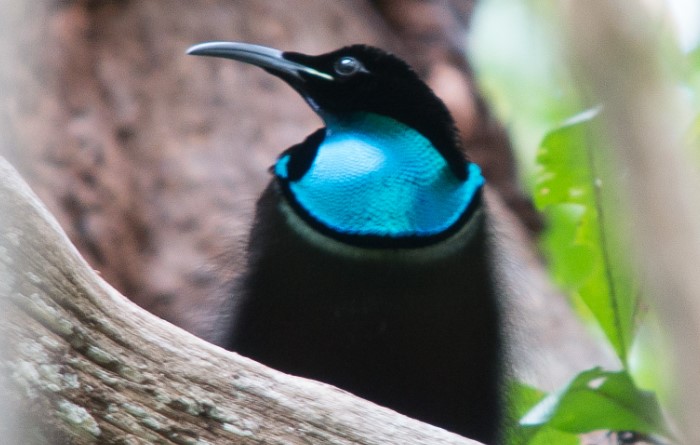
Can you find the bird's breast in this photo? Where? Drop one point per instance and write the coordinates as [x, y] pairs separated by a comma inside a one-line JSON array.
[[376, 178]]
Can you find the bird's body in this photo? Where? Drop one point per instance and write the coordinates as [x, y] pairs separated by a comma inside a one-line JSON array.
[[413, 329], [368, 261]]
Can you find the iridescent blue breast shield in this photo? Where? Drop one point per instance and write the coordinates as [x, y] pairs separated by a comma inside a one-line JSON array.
[[373, 177]]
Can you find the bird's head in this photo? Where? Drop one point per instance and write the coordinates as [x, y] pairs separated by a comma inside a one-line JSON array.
[[367, 96]]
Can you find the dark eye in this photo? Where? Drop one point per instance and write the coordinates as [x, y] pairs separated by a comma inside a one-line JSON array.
[[347, 66]]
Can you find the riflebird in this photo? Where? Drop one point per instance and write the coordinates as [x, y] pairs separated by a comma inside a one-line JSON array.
[[368, 260]]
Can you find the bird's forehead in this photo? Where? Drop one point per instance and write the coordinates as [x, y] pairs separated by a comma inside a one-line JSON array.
[[373, 58]]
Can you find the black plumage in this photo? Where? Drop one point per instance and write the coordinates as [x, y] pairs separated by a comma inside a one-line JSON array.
[[410, 323]]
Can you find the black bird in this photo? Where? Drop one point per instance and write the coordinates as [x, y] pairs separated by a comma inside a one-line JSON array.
[[368, 261]]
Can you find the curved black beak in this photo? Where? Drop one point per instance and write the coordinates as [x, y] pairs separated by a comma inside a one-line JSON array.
[[268, 58]]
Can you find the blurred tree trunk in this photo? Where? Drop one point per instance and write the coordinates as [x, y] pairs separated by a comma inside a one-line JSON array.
[[152, 160]]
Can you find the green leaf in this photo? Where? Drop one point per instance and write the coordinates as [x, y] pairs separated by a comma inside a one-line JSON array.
[[583, 244], [598, 400], [541, 435], [521, 399]]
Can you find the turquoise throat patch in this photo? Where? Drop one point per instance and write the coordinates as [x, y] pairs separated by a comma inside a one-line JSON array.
[[374, 176]]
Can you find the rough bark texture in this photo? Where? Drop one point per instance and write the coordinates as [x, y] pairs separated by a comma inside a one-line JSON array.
[[95, 368]]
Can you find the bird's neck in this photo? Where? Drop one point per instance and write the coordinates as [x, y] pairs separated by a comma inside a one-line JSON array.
[[377, 181]]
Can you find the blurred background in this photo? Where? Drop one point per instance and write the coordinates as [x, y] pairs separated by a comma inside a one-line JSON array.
[[152, 160]]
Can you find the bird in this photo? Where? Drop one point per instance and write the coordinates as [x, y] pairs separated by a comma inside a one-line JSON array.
[[368, 261]]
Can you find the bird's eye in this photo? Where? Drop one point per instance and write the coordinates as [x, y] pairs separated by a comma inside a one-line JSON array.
[[347, 66]]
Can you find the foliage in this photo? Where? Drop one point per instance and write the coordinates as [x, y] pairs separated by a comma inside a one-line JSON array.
[[598, 400], [580, 242], [522, 399], [584, 246], [585, 243]]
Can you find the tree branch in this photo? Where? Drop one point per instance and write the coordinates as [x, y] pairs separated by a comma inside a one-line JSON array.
[[95, 368]]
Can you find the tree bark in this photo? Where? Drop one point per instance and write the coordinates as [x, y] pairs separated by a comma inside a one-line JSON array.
[[93, 367]]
